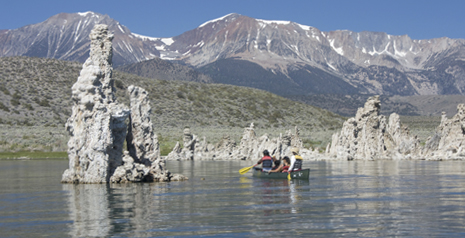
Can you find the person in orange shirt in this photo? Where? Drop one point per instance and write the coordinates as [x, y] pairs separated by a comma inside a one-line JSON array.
[[284, 166]]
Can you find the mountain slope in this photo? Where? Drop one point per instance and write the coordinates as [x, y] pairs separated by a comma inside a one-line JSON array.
[[295, 58], [165, 70], [375, 63], [66, 36], [36, 93], [300, 79], [364, 62]]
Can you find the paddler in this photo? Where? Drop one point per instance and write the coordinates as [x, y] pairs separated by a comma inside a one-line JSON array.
[[267, 161], [282, 167], [296, 160]]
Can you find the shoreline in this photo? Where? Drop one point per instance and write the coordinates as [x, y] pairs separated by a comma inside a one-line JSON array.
[[35, 155], [323, 157]]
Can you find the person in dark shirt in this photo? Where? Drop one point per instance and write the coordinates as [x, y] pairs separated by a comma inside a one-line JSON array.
[[266, 161]]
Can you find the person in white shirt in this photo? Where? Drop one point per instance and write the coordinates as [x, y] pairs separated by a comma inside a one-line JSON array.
[[296, 160]]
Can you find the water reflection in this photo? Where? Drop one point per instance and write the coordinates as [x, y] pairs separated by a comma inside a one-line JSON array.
[[355, 198], [277, 196], [102, 209], [212, 200], [394, 197]]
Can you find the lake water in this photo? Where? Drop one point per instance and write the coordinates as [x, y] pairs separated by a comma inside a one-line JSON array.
[[342, 198]]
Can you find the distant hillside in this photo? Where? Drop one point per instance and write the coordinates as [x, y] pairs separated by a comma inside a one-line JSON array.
[[300, 79], [419, 105], [36, 92], [165, 70]]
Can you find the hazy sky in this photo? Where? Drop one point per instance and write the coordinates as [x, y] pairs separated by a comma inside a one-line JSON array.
[[420, 19]]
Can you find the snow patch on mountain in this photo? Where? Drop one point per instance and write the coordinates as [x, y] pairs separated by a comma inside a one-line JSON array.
[[215, 20], [270, 22], [167, 41], [331, 66], [84, 14], [338, 50], [145, 37], [399, 53], [385, 51], [304, 27], [120, 28]]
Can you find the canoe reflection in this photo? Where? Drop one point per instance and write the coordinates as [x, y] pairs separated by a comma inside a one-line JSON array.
[[278, 196]]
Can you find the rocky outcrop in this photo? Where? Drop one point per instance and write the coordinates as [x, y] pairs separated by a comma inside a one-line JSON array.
[[141, 140], [96, 125], [142, 161], [250, 147], [402, 143], [187, 151], [367, 136], [98, 129], [448, 142]]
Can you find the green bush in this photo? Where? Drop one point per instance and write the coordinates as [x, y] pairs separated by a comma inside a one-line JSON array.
[[44, 103], [4, 108], [119, 84], [28, 107], [14, 102], [16, 95], [180, 95]]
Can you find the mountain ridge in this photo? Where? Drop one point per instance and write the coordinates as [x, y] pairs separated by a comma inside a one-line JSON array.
[[369, 62]]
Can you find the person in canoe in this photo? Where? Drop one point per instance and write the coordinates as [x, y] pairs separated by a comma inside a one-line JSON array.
[[282, 167], [296, 160], [266, 161], [277, 162]]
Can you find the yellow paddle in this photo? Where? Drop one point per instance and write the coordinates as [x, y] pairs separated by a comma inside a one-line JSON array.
[[246, 169], [289, 176]]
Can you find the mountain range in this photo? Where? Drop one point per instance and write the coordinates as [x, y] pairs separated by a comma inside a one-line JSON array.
[[282, 57]]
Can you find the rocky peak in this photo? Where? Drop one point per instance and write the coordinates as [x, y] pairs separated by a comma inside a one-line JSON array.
[[301, 56], [64, 36], [379, 48]]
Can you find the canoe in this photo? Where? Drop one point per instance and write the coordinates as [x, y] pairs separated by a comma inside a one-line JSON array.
[[302, 174]]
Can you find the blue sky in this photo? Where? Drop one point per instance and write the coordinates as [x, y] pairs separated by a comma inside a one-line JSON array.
[[420, 19]]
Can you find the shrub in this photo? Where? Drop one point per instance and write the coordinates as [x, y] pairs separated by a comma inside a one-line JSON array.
[[4, 108], [44, 103], [28, 107], [180, 95], [14, 102], [16, 95], [4, 90], [119, 84]]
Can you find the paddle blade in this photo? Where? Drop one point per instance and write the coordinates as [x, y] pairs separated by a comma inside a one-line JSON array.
[[245, 170], [289, 176]]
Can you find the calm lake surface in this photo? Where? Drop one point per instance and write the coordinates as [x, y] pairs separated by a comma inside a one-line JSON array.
[[342, 198]]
